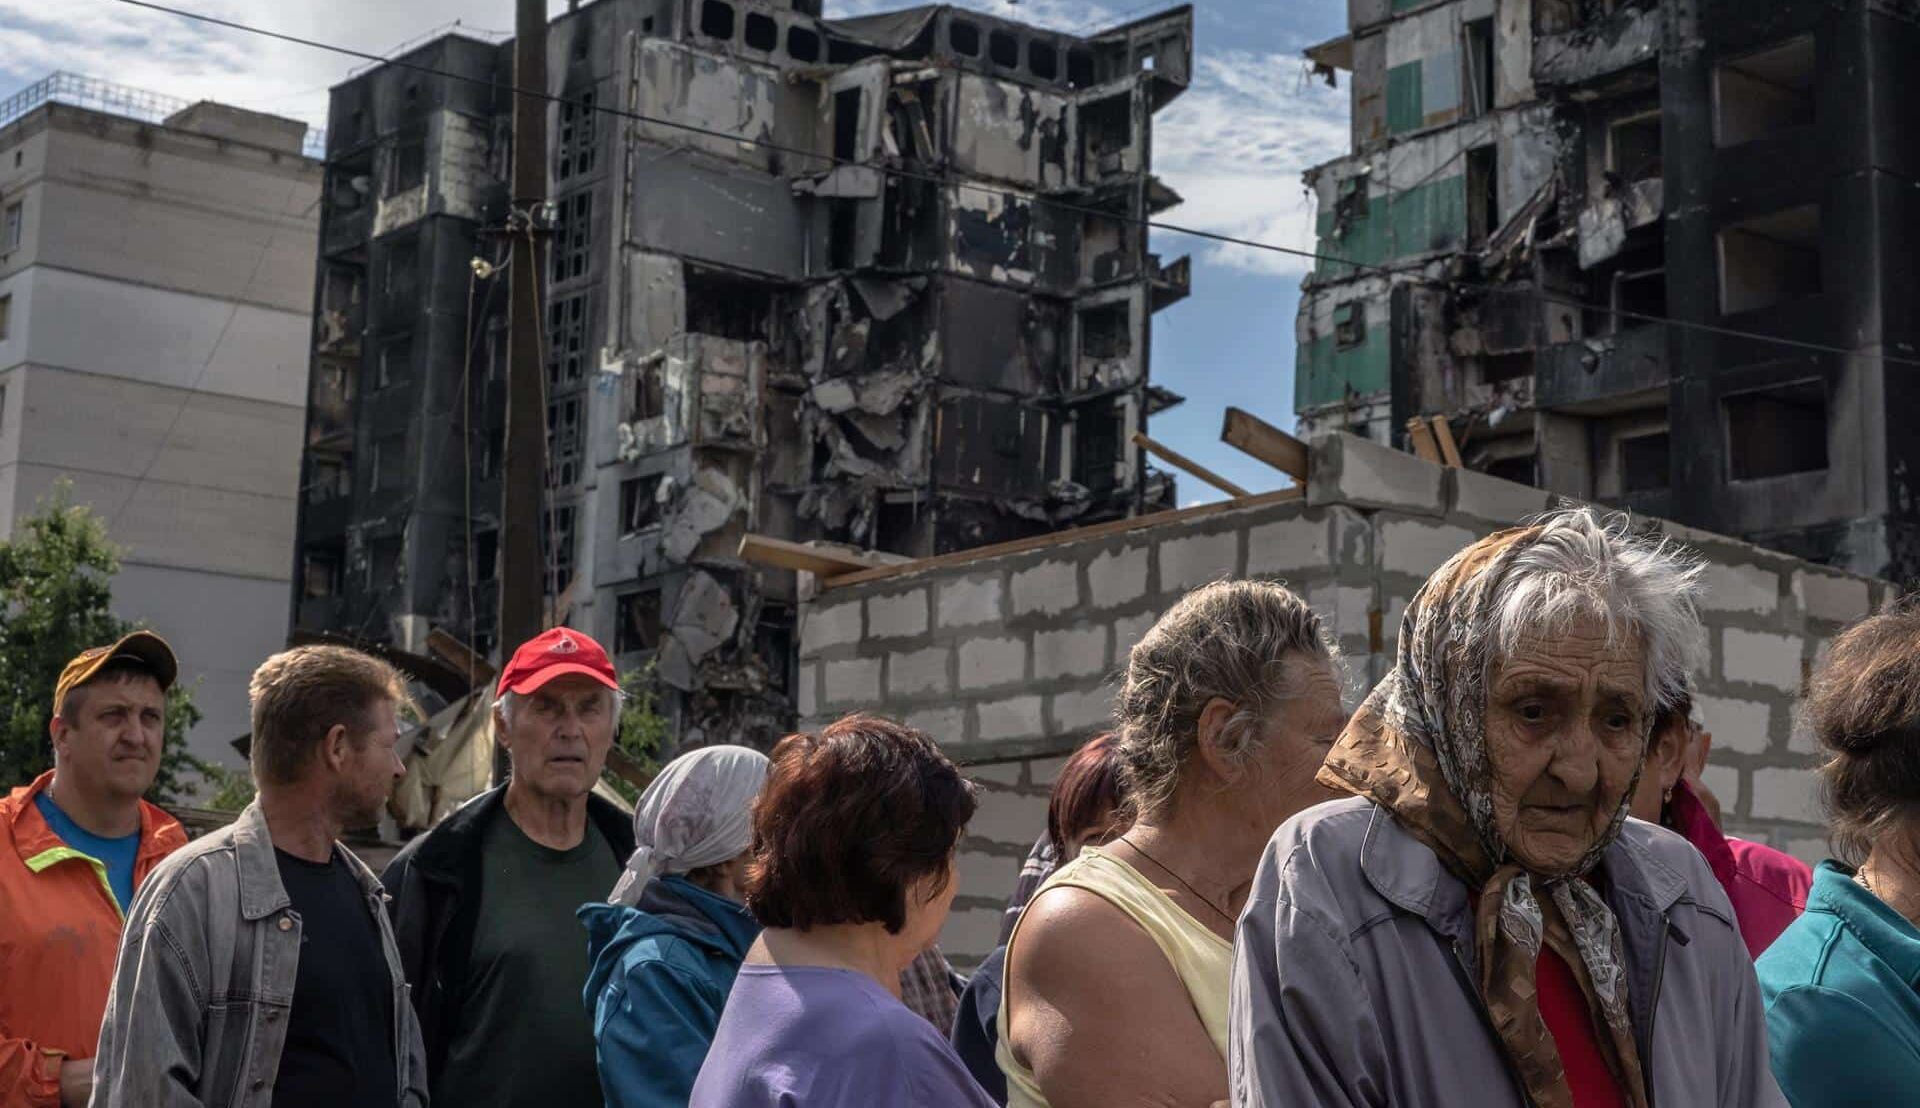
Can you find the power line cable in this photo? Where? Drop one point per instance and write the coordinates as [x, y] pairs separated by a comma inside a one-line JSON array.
[[948, 181]]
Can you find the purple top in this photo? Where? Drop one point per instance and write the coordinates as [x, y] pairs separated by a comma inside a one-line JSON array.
[[813, 1037]]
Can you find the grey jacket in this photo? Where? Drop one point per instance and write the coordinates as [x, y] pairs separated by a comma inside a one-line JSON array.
[[198, 1010], [1353, 968]]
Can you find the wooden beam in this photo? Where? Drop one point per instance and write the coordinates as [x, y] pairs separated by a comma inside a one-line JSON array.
[[825, 561], [623, 765], [1182, 461], [1443, 435], [460, 656], [1060, 538], [1420, 434], [1250, 434]]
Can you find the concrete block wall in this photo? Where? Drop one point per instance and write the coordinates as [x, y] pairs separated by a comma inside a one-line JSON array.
[[1009, 660]]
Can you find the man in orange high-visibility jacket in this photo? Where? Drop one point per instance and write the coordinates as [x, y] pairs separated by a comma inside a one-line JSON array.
[[73, 845]]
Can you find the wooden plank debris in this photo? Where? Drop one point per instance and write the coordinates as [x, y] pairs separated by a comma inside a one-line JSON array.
[[1173, 457], [1250, 434], [827, 562]]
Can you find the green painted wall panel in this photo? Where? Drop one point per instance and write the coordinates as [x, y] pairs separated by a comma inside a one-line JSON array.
[[1325, 374], [1428, 218], [1406, 109], [1407, 5]]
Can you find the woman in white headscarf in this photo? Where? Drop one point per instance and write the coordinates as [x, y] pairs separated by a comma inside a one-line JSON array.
[[664, 952]]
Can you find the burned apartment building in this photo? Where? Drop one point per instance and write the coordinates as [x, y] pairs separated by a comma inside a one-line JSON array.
[[1537, 187], [881, 281]]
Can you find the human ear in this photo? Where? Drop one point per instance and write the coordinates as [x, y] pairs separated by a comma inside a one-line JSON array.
[[1213, 735]]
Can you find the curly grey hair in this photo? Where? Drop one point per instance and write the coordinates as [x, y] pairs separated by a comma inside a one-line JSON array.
[[1228, 640], [1585, 564]]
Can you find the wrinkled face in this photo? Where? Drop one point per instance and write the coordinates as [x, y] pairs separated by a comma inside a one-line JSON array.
[[109, 734], [1294, 740], [559, 736], [372, 765], [1564, 721]]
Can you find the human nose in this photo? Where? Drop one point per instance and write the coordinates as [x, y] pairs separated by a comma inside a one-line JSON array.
[[1576, 758]]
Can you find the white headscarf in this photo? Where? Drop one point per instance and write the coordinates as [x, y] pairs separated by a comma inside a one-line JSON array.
[[698, 812]]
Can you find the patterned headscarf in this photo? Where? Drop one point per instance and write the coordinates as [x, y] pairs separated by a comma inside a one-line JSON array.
[[1418, 747]]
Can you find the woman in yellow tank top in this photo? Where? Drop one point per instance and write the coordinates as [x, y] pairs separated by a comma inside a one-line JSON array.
[[1117, 974]]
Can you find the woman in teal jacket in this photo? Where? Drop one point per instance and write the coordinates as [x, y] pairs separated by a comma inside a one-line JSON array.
[[1843, 1019], [664, 951]]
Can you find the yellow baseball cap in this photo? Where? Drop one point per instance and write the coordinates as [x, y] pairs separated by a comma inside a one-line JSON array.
[[144, 647]]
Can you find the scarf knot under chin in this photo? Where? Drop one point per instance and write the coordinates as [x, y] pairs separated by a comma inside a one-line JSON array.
[[1418, 748]]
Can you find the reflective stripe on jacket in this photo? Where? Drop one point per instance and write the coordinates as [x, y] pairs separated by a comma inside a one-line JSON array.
[[59, 932], [201, 994]]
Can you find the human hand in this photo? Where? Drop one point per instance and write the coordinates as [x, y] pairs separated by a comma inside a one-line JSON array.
[[76, 1083]]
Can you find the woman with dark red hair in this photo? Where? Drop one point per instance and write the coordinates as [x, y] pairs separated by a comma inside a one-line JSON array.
[[851, 873], [1087, 808]]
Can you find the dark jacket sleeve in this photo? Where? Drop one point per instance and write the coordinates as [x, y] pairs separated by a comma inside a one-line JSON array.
[[976, 1028]]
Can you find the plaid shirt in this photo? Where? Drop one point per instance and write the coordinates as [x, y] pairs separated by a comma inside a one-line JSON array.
[[1040, 864], [931, 988]]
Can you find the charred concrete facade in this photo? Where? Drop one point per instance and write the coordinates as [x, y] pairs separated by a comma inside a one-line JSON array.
[[876, 281], [1543, 180]]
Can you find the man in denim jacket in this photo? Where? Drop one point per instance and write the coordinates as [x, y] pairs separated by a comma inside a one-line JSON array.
[[257, 964]]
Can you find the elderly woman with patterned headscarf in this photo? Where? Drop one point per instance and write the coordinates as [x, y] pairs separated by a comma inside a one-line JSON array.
[[665, 951], [1480, 922]]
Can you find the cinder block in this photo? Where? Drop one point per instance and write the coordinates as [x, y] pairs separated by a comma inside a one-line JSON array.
[[1083, 710], [827, 624], [915, 672], [1812, 849], [1342, 610], [971, 601], [985, 663], [1761, 658], [1044, 771], [1741, 725], [1007, 774], [851, 682], [1347, 469], [969, 936], [1786, 794], [1049, 588], [1015, 718], [1831, 597], [1010, 818], [1724, 781], [1115, 577], [1417, 547], [1287, 546], [1738, 588], [1187, 563], [1475, 494], [807, 702], [1074, 652], [1127, 633], [945, 726], [983, 874], [899, 616]]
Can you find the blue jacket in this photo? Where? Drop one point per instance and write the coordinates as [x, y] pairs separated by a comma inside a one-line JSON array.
[[1843, 1019], [660, 974]]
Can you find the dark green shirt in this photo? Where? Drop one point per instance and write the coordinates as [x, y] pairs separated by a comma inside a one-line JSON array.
[[520, 1035]]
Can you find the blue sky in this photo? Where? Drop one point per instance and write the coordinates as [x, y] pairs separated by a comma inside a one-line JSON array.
[[1234, 146]]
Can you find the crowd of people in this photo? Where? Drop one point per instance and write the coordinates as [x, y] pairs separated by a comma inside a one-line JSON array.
[[1499, 881]]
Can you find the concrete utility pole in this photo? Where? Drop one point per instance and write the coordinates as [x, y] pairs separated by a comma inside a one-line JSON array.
[[523, 478]]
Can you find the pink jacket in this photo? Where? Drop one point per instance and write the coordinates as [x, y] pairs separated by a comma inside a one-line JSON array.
[[1768, 888]]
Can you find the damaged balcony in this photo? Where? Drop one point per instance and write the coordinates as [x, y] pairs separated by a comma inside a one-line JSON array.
[[1590, 48]]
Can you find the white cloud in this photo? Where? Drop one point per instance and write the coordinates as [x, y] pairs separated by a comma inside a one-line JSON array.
[[1234, 145]]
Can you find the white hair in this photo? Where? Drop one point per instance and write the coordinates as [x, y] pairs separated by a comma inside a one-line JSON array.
[[1584, 564]]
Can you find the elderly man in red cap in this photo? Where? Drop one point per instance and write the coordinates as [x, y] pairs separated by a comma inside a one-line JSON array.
[[73, 845], [483, 903]]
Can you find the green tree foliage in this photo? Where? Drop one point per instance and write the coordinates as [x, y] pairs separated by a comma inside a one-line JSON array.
[[56, 597], [643, 730]]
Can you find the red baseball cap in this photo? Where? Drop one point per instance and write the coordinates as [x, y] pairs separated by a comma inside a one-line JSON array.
[[556, 653]]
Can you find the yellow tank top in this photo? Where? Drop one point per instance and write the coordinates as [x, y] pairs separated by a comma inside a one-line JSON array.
[[1202, 960]]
